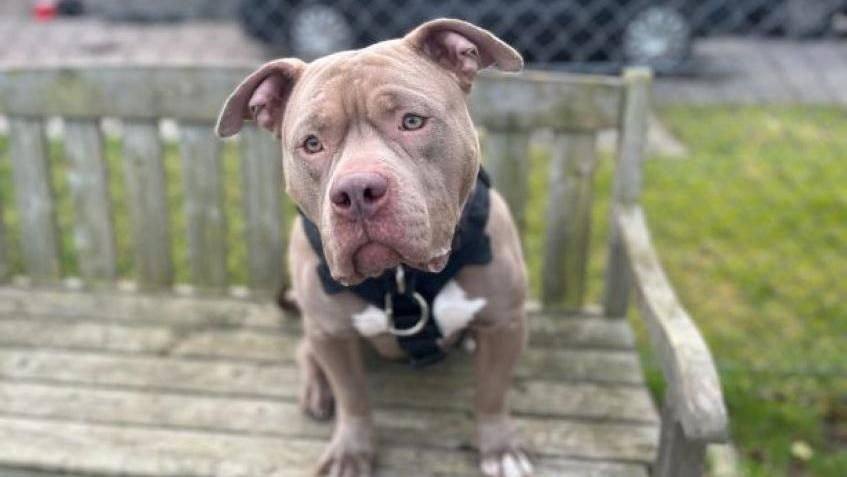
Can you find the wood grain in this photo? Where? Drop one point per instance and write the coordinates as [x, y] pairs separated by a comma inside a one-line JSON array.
[[89, 186], [34, 200]]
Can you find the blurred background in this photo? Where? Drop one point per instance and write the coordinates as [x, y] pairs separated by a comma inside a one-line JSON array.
[[746, 186]]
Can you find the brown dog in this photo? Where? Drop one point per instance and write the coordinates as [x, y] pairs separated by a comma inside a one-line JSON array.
[[381, 156]]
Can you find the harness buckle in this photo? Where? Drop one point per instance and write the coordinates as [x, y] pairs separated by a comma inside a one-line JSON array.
[[400, 278]]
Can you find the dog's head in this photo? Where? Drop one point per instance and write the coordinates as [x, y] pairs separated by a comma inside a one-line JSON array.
[[379, 150]]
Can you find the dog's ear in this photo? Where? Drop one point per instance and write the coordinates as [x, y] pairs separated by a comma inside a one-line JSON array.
[[261, 97], [463, 48]]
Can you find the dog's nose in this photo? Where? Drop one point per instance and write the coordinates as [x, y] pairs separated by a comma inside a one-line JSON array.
[[359, 194]]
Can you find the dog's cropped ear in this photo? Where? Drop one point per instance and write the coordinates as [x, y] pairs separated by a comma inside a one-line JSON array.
[[261, 97], [463, 48]]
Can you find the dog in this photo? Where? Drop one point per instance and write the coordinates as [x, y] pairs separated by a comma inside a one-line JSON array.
[[383, 160]]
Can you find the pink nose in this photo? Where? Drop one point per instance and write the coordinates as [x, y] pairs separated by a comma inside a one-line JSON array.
[[358, 195]]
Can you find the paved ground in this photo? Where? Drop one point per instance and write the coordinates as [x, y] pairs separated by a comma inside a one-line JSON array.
[[732, 70], [757, 71]]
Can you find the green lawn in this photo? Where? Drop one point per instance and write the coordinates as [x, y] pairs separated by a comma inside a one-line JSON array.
[[752, 228]]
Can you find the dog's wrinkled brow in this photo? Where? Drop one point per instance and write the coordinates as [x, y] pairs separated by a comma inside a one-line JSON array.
[[393, 98], [316, 122]]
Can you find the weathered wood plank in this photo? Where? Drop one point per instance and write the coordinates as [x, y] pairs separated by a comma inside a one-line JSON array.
[[507, 161], [694, 388], [531, 100], [128, 306], [89, 186], [261, 172], [627, 183], [447, 430], [34, 198], [254, 349], [5, 266], [205, 217], [568, 220], [104, 449], [192, 93], [592, 366], [10, 472], [547, 329], [535, 100], [148, 204]]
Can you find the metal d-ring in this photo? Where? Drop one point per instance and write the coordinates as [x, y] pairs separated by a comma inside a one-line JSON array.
[[400, 278], [424, 317]]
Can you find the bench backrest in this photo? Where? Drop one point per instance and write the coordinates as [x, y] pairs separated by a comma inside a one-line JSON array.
[[509, 109]]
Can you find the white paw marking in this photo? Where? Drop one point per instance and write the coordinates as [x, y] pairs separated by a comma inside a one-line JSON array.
[[453, 310], [371, 322], [507, 465]]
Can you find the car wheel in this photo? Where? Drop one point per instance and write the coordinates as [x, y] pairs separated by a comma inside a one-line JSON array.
[[659, 37], [317, 29], [306, 29]]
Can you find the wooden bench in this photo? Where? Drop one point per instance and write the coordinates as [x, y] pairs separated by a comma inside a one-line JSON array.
[[104, 376]]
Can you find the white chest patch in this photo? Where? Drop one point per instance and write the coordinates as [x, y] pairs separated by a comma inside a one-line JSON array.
[[452, 310], [371, 321]]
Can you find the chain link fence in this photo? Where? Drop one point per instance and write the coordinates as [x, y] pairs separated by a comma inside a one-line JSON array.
[[574, 34], [744, 186]]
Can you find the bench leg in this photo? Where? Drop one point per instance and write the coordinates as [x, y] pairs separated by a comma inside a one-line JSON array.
[[678, 455]]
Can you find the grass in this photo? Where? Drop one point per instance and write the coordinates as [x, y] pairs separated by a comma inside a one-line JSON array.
[[751, 227]]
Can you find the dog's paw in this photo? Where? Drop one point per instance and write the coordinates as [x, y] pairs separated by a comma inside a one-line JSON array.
[[316, 397], [351, 451], [511, 462], [501, 454]]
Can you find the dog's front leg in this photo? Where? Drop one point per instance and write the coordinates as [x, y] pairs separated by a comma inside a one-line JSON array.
[[350, 452], [497, 351]]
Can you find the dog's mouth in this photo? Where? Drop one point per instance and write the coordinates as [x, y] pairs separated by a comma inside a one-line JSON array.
[[373, 258]]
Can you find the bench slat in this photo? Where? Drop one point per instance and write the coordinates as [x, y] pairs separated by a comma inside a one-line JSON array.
[[528, 101], [137, 309], [5, 266], [261, 172], [201, 366], [507, 161], [444, 429], [148, 204], [34, 197], [88, 182], [107, 449], [205, 216], [568, 220], [535, 100], [396, 386]]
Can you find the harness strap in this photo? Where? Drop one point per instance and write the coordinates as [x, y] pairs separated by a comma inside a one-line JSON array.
[[471, 246]]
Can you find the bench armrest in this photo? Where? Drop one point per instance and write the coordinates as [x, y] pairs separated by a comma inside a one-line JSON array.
[[693, 386]]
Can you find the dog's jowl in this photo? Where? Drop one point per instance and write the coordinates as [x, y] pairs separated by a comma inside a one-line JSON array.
[[401, 238]]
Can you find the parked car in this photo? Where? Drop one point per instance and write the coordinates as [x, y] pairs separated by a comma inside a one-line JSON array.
[[581, 31], [658, 33]]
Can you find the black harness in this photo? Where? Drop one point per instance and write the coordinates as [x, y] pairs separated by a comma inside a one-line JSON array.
[[407, 295]]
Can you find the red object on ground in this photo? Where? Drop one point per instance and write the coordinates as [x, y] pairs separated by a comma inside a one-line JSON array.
[[44, 11]]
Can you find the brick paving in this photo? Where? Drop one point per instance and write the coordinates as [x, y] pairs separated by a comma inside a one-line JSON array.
[[730, 70]]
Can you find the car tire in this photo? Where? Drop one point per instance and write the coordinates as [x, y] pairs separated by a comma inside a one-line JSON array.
[[659, 37], [305, 29]]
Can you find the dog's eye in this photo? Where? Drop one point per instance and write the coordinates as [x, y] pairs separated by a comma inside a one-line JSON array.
[[312, 144], [413, 121]]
